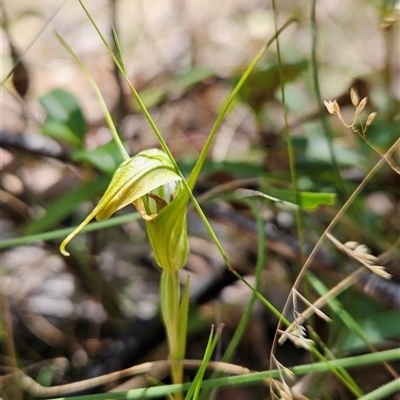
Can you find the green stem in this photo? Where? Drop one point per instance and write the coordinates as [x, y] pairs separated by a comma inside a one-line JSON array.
[[60, 233], [258, 377], [261, 250], [289, 143], [107, 115], [197, 168], [326, 128], [384, 391], [174, 324]]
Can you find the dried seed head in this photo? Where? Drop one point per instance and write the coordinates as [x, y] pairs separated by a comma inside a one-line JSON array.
[[336, 107], [355, 99], [370, 118], [329, 106], [332, 107], [351, 245], [380, 270], [362, 248], [283, 371], [361, 106], [360, 252], [285, 392], [367, 257], [297, 337]]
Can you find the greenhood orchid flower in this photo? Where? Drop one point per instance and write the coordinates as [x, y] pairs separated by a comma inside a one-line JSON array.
[[149, 182], [168, 233]]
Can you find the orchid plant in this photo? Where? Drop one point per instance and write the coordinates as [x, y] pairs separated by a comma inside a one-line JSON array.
[[153, 183], [150, 182]]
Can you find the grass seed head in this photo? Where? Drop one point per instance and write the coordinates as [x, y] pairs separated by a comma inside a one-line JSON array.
[[361, 106], [355, 99], [370, 118], [332, 107]]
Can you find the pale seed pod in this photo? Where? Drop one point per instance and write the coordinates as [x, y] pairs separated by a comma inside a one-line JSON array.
[[361, 106], [355, 99], [370, 118]]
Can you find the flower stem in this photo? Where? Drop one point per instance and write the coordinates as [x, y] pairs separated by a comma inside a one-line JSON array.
[[174, 313]]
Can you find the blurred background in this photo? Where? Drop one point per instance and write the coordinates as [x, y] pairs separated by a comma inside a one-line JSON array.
[[65, 320]]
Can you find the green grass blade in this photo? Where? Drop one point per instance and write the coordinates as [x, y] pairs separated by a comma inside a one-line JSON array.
[[63, 207], [258, 270], [384, 391], [325, 125], [107, 115], [289, 143], [379, 323], [196, 170], [340, 372], [61, 233], [194, 390], [256, 377], [229, 352]]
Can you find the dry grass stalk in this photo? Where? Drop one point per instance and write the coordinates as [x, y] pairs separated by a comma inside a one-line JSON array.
[[360, 253], [334, 109]]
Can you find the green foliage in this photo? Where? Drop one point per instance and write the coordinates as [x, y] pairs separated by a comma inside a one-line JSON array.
[[382, 133], [194, 390], [155, 94], [191, 77], [106, 158], [308, 201], [64, 206], [237, 168], [377, 328], [262, 84], [65, 120], [358, 323], [246, 379], [61, 233], [151, 96], [155, 183]]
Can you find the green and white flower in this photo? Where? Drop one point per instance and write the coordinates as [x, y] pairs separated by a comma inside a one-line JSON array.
[[149, 182]]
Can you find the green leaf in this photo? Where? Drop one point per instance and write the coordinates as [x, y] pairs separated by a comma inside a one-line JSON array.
[[376, 327], [261, 85], [61, 131], [194, 390], [382, 133], [151, 96], [155, 94], [105, 158], [63, 207], [191, 77], [65, 119], [237, 168], [308, 200], [312, 200], [46, 376], [59, 233]]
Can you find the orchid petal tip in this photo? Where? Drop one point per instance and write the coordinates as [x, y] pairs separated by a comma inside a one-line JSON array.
[[63, 251]]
